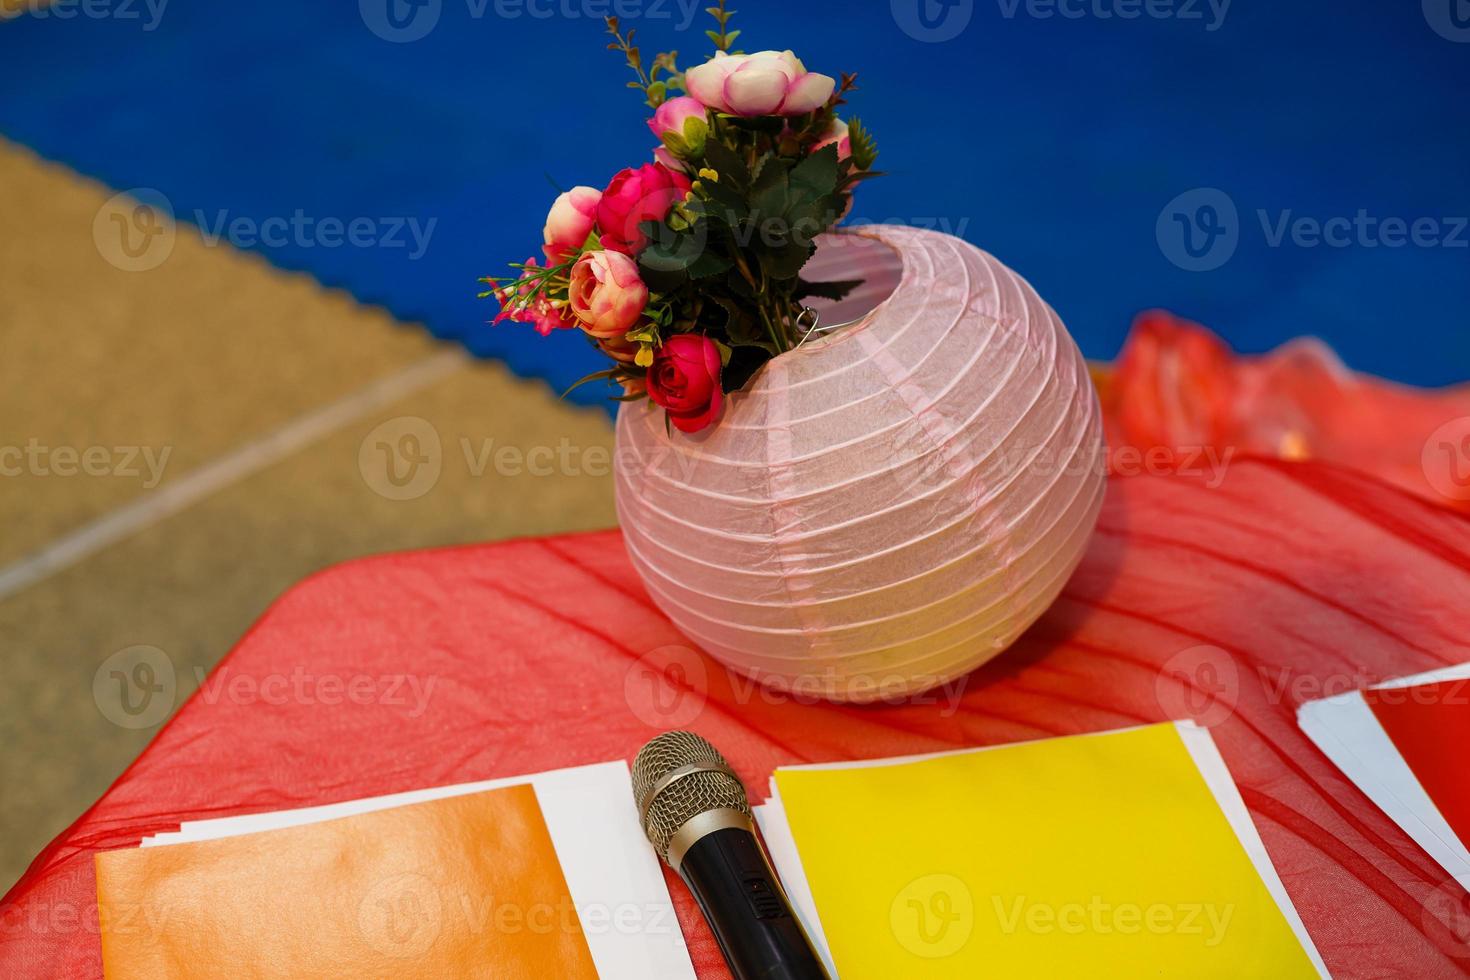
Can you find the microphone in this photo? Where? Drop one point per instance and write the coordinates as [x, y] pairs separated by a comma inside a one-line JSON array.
[[697, 817]]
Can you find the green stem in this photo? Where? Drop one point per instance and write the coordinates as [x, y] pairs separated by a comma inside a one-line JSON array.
[[771, 329]]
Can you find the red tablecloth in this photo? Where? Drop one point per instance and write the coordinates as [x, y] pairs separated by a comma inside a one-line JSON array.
[[1221, 586], [1304, 578]]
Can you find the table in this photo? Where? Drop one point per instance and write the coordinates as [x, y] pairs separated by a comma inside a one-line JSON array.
[[1231, 602]]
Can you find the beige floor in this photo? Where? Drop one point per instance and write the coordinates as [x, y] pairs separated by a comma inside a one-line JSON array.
[[275, 400]]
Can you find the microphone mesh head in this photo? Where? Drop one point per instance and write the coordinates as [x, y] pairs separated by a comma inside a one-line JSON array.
[[688, 796]]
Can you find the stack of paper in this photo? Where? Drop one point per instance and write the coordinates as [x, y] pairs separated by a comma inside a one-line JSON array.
[[1403, 744], [1124, 854], [538, 876]]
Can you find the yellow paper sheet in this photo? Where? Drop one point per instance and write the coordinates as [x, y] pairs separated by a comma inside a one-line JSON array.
[[1093, 856]]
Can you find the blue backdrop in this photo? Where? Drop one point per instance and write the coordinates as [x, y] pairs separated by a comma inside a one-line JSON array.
[[1122, 154]]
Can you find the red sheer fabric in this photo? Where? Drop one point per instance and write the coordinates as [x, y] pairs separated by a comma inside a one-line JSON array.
[[1177, 386], [1230, 598]]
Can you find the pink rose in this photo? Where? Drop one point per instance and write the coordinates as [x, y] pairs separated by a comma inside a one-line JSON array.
[[570, 222], [662, 155], [685, 380], [836, 134], [766, 83], [606, 293], [635, 196], [672, 116]]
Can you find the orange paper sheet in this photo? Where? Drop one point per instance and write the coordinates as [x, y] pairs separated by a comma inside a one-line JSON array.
[[468, 886]]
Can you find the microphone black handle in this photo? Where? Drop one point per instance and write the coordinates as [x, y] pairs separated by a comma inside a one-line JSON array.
[[747, 909]]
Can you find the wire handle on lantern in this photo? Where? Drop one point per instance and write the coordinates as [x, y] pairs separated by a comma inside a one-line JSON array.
[[807, 313]]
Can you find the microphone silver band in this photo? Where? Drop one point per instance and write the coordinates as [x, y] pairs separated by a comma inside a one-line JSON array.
[[673, 776], [702, 825]]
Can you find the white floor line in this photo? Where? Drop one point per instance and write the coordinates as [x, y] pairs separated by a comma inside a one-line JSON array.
[[174, 496]]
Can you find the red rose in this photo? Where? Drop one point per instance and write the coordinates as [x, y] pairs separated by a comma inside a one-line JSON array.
[[685, 379], [634, 196]]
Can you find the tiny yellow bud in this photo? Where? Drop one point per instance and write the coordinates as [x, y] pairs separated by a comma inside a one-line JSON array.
[[705, 173], [644, 357]]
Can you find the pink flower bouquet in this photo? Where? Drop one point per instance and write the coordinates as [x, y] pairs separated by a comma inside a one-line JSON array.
[[686, 271]]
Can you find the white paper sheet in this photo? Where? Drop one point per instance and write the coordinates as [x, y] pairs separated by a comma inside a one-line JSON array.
[[1201, 745], [1348, 733], [610, 869]]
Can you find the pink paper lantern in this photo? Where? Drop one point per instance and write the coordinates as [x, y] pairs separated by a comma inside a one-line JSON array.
[[889, 505]]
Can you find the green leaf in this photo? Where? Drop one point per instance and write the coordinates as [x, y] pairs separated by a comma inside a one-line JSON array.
[[608, 374], [745, 361], [696, 131], [768, 192], [785, 262], [760, 165], [727, 163], [637, 396], [737, 285], [725, 202], [709, 263], [864, 147], [817, 174]]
